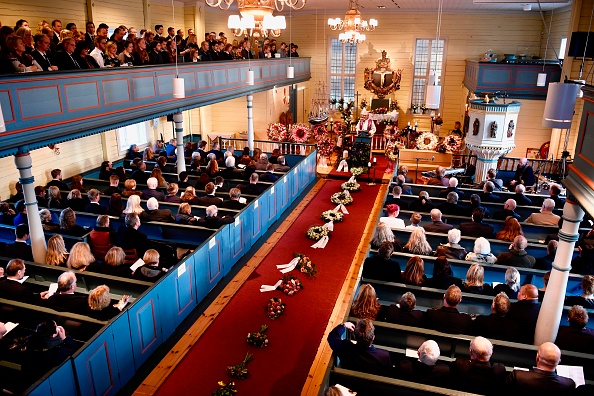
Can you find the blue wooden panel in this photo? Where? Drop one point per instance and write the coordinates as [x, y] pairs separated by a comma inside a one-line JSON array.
[[265, 70], [220, 76], [39, 102], [62, 381], [124, 354], [204, 79], [233, 75], [272, 208], [81, 96], [256, 219], [116, 91], [145, 326], [144, 87], [215, 264], [178, 290], [497, 76], [43, 389], [189, 81], [236, 237], [96, 367], [6, 107], [202, 282], [165, 83]]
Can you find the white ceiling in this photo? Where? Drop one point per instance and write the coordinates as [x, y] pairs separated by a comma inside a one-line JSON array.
[[416, 6]]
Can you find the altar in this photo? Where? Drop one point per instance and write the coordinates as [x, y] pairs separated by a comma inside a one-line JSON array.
[[428, 160]]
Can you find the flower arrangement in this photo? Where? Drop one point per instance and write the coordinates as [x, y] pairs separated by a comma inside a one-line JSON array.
[[240, 371], [343, 198], [438, 120], [299, 133], [450, 143], [305, 265], [394, 105], [319, 132], [275, 308], [346, 110], [326, 146], [225, 390], [358, 170], [414, 107], [351, 186], [339, 128], [427, 141], [290, 285], [316, 233], [331, 215], [423, 107], [277, 132], [259, 338], [363, 104], [380, 110], [391, 150]]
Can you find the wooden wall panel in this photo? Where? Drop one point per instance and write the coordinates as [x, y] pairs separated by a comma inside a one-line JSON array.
[[115, 13], [162, 14], [34, 11]]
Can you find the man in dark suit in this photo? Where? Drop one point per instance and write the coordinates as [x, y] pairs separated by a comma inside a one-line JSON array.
[[57, 180], [405, 314], [520, 197], [396, 193], [524, 174], [437, 225], [41, 52], [12, 287], [508, 210], [154, 213], [451, 207], [554, 192], [497, 325], [281, 164], [380, 265], [476, 227], [93, 205], [576, 337], [427, 369], [362, 356], [546, 262], [517, 256], [233, 202], [491, 176], [64, 59], [487, 195], [453, 187], [525, 313], [253, 188], [114, 182], [20, 248], [541, 379], [57, 28], [21, 213], [65, 299], [479, 375], [406, 189], [269, 176], [139, 174], [210, 198], [128, 236], [151, 192], [90, 35], [212, 219], [447, 319]]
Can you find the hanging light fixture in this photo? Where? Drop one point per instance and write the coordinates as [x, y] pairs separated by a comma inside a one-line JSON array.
[[256, 18], [250, 77], [433, 92], [352, 24], [560, 104], [179, 91]]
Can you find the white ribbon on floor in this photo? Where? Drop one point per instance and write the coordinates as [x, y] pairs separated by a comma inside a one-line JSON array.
[[284, 268], [352, 179], [341, 208], [342, 166], [321, 244], [329, 226], [266, 288]]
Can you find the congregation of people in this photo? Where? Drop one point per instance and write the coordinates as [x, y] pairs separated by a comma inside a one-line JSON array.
[[51, 47]]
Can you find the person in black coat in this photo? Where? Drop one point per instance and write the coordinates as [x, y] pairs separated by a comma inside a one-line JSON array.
[[233, 202], [405, 312], [546, 262], [508, 210], [57, 181], [541, 379], [453, 187], [20, 249], [517, 256], [422, 204], [447, 319], [476, 228], [396, 200], [525, 312], [68, 224], [65, 299], [479, 375], [153, 213], [12, 288], [488, 195], [139, 174], [362, 356], [576, 337], [94, 206], [253, 188], [524, 174], [128, 237], [437, 224], [212, 220], [451, 207], [380, 266], [520, 197], [443, 277], [427, 369], [586, 300], [497, 325]]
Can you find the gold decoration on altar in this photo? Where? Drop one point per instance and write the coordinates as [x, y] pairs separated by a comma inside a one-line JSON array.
[[382, 80]]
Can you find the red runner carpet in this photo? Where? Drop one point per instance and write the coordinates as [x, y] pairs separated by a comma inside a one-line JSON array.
[[282, 367], [382, 163]]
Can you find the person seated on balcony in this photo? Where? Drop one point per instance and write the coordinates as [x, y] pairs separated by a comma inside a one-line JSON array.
[[426, 369], [546, 215], [68, 224], [487, 194], [492, 177], [447, 319], [83, 57], [452, 249], [365, 124], [126, 57], [140, 55], [439, 179], [281, 165], [524, 174], [191, 44], [94, 206], [153, 213], [479, 375], [55, 200], [213, 220], [204, 52], [482, 252], [422, 204], [383, 233], [475, 281], [511, 285], [246, 52], [587, 298], [475, 202], [451, 207], [437, 225], [452, 187], [20, 249], [476, 228], [362, 356], [294, 53], [392, 219], [111, 55], [21, 61], [42, 54], [520, 197], [508, 210], [65, 59], [576, 337], [155, 56], [511, 229]]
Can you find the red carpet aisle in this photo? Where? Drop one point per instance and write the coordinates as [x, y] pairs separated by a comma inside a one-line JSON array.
[[282, 367], [382, 163]]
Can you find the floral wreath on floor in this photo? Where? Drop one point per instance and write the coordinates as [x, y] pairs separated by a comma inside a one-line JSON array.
[[325, 146], [358, 170], [319, 132], [351, 186], [277, 132], [305, 265], [316, 233], [331, 215], [427, 141], [275, 308], [290, 285], [450, 143], [341, 198], [392, 150], [299, 133], [258, 339]]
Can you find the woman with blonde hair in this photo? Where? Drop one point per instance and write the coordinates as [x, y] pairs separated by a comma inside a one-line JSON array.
[[100, 305], [76, 201], [184, 214], [511, 229], [111, 55], [56, 251], [148, 154], [77, 183], [475, 281], [54, 200], [80, 257], [414, 273], [130, 188], [189, 196], [417, 243], [113, 264], [157, 173], [150, 271], [42, 24], [366, 305], [133, 206], [482, 252], [383, 233]]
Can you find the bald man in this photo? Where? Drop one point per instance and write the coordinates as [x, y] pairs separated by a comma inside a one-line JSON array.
[[509, 209], [525, 313], [524, 174], [542, 377], [517, 256], [479, 375]]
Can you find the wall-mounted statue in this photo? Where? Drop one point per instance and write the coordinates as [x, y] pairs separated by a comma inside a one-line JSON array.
[[493, 129], [510, 129], [475, 126], [382, 80]]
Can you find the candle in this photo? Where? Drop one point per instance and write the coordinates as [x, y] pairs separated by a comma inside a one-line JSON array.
[[416, 123], [332, 119], [374, 159], [369, 164], [409, 123]]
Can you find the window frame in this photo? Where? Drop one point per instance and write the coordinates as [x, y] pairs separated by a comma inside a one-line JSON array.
[[428, 68], [122, 132], [342, 75]]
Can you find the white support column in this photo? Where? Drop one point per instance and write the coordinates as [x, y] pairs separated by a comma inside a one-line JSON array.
[[23, 163], [250, 105], [178, 120], [552, 305]]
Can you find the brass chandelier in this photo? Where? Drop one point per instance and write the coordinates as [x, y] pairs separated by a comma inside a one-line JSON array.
[[352, 24]]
